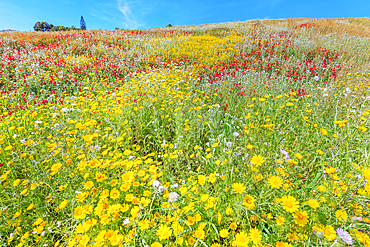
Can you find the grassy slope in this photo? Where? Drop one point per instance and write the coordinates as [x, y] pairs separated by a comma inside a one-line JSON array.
[[208, 111]]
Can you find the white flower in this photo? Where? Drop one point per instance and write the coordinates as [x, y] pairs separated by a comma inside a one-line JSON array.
[[126, 221], [15, 136], [161, 189], [285, 153], [172, 197], [235, 134], [156, 183], [348, 91], [56, 125], [174, 186], [316, 78], [65, 109], [345, 236], [38, 122], [229, 144]]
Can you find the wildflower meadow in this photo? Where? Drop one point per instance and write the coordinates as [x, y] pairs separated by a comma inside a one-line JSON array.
[[250, 133]]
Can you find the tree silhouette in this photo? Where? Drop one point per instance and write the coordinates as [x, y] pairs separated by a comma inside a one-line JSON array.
[[82, 23], [42, 26]]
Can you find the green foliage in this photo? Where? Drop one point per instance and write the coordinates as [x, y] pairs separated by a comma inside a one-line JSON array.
[[42, 26], [82, 23], [60, 28]]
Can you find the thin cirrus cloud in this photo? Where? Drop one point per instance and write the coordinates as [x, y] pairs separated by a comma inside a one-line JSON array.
[[126, 14], [134, 12]]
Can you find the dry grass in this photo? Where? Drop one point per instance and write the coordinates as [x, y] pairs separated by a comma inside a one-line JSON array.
[[359, 27]]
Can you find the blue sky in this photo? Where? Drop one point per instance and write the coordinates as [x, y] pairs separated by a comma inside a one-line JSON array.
[[139, 14]]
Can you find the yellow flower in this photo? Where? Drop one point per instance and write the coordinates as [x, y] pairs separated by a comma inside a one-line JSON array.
[[269, 216], [204, 197], [233, 226], [283, 244], [202, 179], [209, 156], [362, 128], [298, 156], [329, 233], [16, 215], [275, 182], [79, 213], [177, 228], [199, 233], [63, 187], [16, 182], [255, 236], [341, 215], [280, 221], [324, 131], [56, 167], [313, 203], [116, 239], [290, 204], [84, 240], [88, 185], [8, 148], [156, 244], [257, 160], [30, 207], [301, 217], [224, 233], [164, 232], [366, 173], [100, 177], [241, 240], [238, 188], [114, 194], [229, 210], [249, 202]]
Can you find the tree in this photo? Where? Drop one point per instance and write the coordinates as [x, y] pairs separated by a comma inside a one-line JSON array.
[[82, 23], [55, 28], [42, 26], [37, 26], [169, 25]]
